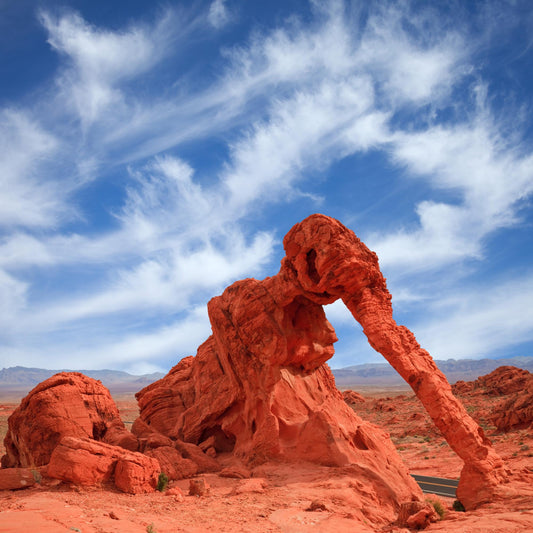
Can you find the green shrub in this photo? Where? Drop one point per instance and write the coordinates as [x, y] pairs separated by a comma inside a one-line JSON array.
[[162, 482], [458, 506], [439, 509]]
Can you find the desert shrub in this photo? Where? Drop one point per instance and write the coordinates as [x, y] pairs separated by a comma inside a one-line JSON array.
[[439, 508], [458, 506], [151, 528], [162, 482], [36, 476]]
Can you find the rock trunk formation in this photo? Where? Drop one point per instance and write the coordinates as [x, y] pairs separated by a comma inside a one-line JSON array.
[[259, 386], [329, 262]]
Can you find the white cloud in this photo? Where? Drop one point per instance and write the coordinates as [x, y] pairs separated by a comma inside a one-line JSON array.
[[116, 348], [480, 321], [174, 244], [25, 198], [306, 131], [13, 295], [100, 60], [284, 106], [489, 176], [411, 68], [218, 15]]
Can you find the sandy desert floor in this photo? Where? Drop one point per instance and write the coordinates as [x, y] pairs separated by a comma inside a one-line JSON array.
[[278, 496]]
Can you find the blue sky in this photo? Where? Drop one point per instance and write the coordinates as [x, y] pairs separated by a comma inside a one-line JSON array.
[[153, 153]]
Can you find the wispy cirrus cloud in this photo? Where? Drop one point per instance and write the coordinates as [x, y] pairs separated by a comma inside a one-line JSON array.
[[483, 319], [218, 14], [99, 60], [282, 107], [489, 175], [26, 199]]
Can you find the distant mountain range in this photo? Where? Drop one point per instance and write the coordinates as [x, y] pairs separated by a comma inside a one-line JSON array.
[[466, 369], [19, 379]]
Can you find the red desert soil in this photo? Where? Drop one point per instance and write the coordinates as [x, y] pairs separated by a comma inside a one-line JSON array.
[[278, 497]]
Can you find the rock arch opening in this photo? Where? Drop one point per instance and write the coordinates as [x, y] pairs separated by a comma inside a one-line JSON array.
[[261, 378]]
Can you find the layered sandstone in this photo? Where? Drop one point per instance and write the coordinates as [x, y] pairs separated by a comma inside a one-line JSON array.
[[260, 386], [351, 397], [515, 412]]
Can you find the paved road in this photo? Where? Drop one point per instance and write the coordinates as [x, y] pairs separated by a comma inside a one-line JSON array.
[[437, 485]]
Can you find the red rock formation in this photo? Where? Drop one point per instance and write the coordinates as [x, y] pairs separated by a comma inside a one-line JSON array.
[[516, 412], [351, 397], [416, 515], [88, 462], [18, 478], [67, 404], [172, 463], [260, 386], [502, 381], [515, 385]]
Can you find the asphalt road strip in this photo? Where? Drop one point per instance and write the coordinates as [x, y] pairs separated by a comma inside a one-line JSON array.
[[437, 485]]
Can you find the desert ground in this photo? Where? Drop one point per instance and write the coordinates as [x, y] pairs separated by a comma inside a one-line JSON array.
[[283, 497]]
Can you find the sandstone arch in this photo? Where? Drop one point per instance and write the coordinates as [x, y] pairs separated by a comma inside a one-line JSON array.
[[260, 382]]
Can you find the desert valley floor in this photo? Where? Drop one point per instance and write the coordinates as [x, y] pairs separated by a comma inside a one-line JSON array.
[[285, 497]]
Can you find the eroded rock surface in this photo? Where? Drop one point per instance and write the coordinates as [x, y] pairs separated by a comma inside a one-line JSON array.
[[67, 404], [515, 388], [351, 397], [260, 386], [502, 381], [88, 462]]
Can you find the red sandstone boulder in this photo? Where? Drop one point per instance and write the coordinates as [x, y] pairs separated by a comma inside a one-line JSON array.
[[198, 487], [88, 462], [196, 455], [516, 412], [137, 475], [351, 397], [18, 478], [416, 515], [67, 404], [172, 463]]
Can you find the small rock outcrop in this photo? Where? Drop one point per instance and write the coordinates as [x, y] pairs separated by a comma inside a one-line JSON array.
[[68, 404], [502, 381], [18, 478], [351, 397], [516, 412], [259, 386], [88, 462], [515, 388]]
